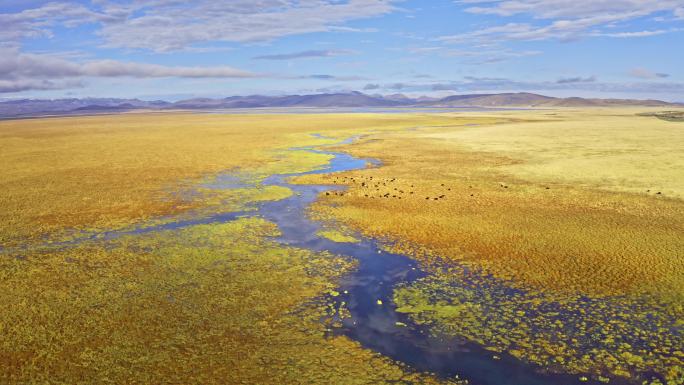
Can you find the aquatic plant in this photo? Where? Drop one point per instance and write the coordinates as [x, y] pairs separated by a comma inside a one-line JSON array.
[[337, 236], [606, 337]]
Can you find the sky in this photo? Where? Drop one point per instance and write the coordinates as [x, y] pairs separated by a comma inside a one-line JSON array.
[[178, 49]]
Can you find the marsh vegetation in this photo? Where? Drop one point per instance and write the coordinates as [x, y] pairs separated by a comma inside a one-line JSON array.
[[552, 238]]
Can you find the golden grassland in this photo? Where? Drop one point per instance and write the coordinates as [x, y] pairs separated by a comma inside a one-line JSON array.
[[210, 304], [550, 203], [619, 152], [105, 172], [495, 194]]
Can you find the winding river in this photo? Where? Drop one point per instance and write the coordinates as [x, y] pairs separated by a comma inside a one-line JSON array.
[[375, 324]]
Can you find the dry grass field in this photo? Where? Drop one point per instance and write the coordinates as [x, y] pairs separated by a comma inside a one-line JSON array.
[[618, 151]]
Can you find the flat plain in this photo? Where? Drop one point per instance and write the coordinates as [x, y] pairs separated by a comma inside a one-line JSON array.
[[554, 236]]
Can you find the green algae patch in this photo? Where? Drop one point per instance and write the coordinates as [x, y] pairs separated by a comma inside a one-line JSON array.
[[290, 161], [239, 199], [413, 301], [337, 236], [210, 304]]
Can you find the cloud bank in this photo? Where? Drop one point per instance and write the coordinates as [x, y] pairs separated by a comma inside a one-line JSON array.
[[172, 25], [562, 19], [25, 71]]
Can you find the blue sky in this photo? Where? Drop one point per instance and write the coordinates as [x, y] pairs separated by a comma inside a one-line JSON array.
[[172, 49]]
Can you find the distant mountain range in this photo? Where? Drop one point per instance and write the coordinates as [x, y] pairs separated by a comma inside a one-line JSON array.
[[31, 107]]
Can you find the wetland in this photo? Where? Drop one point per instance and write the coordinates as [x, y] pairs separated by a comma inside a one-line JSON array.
[[480, 247]]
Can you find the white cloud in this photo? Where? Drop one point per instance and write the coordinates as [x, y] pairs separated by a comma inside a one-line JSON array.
[[169, 25], [25, 71], [173, 25], [18, 85], [635, 34], [562, 19], [572, 9], [14, 64], [113, 68], [38, 22]]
